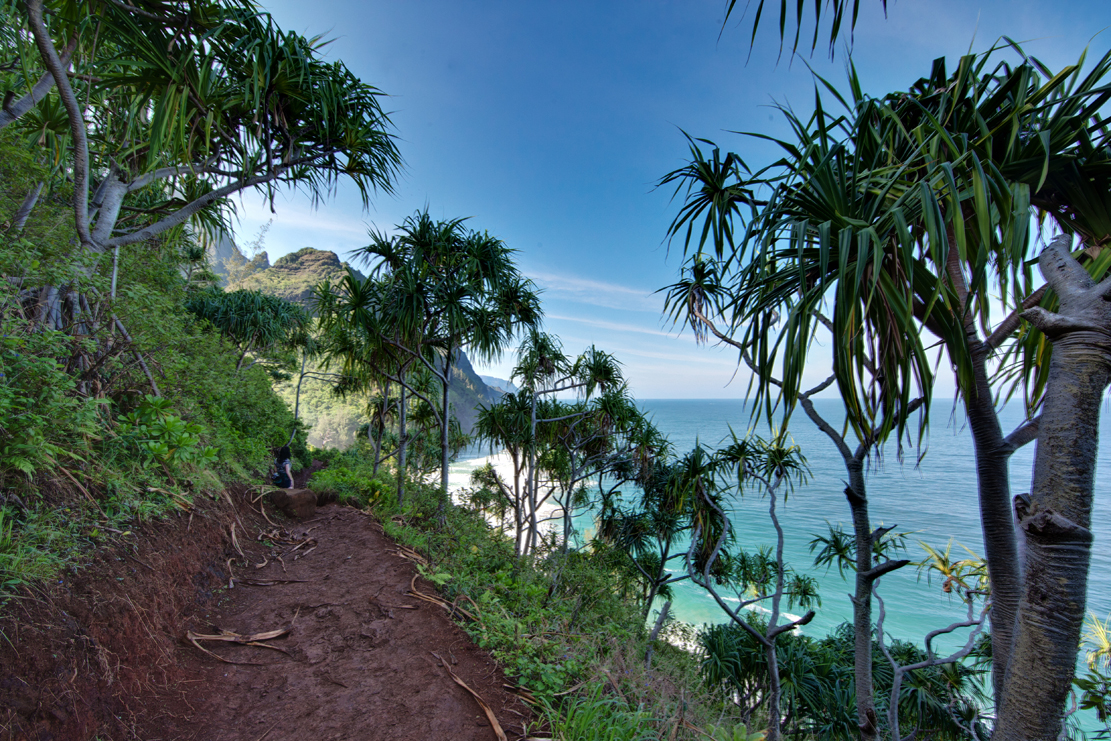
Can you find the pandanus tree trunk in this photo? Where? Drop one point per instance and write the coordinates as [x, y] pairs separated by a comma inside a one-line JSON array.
[[445, 429], [996, 521], [866, 571], [25, 209], [1055, 518], [533, 525], [402, 442], [862, 603], [380, 423], [992, 452], [297, 399], [568, 504]]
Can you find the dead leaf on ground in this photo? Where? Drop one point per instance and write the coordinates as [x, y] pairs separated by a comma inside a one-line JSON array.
[[482, 703], [194, 639], [270, 582]]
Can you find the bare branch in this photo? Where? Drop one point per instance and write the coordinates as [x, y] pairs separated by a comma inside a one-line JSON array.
[[884, 568], [826, 427], [1054, 325], [1011, 323], [714, 330], [1025, 433], [899, 671], [138, 355], [28, 205], [13, 110], [187, 211], [168, 172], [76, 120]]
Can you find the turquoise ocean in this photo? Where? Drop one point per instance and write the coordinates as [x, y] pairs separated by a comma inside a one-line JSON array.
[[933, 498]]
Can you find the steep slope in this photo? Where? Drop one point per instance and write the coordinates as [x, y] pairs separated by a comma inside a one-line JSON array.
[[468, 391], [500, 385]]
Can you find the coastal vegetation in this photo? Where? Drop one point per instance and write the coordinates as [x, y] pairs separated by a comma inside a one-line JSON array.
[[906, 217]]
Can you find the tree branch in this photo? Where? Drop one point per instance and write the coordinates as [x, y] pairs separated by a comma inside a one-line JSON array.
[[1011, 323], [187, 211], [138, 355], [28, 205], [1025, 433], [13, 110], [713, 328], [76, 120], [168, 172], [884, 568], [826, 427]]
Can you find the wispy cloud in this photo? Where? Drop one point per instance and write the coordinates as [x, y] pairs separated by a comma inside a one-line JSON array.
[[295, 216], [680, 357], [597, 292], [617, 326]]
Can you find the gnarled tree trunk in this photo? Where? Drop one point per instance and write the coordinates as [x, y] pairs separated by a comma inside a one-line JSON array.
[[1055, 517]]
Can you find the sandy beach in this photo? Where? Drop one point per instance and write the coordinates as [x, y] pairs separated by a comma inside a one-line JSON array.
[[459, 478]]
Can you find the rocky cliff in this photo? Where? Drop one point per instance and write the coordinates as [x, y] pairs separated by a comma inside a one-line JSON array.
[[292, 276]]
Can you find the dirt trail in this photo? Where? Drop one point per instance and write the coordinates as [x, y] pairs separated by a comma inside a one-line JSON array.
[[358, 660]]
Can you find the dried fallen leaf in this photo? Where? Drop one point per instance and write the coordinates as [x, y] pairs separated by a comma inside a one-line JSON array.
[[235, 541], [190, 637], [485, 708], [229, 636], [270, 582]]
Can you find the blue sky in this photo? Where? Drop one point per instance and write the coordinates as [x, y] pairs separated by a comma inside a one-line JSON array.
[[549, 123]]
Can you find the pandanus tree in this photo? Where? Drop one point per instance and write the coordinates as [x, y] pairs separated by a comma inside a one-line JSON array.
[[350, 316], [156, 112], [699, 299], [593, 437], [652, 531], [544, 371], [436, 289], [506, 425], [911, 215], [714, 562], [258, 325]]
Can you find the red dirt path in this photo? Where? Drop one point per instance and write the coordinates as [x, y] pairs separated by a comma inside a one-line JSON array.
[[359, 664]]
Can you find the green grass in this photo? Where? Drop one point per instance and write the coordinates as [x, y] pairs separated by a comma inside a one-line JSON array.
[[596, 716], [33, 553]]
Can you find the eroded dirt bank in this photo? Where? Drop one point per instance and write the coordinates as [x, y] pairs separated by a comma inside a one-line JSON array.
[[79, 657], [105, 655]]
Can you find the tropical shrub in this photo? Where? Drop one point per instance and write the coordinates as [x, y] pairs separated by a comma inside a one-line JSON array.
[[41, 419], [816, 676], [346, 486], [161, 435]]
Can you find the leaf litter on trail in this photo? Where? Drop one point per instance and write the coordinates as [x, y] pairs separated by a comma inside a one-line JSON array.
[[482, 703], [227, 636], [387, 685]]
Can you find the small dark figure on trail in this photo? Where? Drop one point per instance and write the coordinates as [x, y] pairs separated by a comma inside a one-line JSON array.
[[283, 478]]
